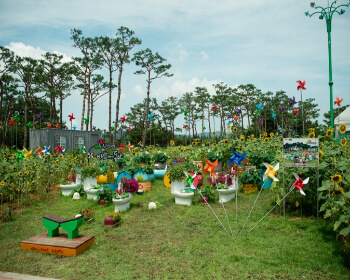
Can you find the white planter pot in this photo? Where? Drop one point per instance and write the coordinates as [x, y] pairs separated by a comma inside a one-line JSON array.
[[122, 204], [78, 179], [67, 190], [92, 194], [182, 198], [88, 182], [226, 195]]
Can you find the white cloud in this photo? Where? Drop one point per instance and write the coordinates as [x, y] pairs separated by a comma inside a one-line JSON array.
[[23, 50], [204, 55], [139, 91]]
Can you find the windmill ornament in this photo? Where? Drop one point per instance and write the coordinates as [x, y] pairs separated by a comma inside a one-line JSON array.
[[301, 87]]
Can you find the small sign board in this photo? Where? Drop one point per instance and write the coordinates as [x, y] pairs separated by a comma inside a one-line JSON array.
[[300, 152]]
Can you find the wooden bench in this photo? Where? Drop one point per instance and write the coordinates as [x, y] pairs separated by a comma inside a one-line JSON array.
[[52, 224]]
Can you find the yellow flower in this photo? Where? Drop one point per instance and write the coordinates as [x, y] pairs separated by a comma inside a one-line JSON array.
[[320, 154], [20, 173], [172, 142], [197, 139], [226, 141], [266, 140], [252, 136], [43, 156], [276, 133], [2, 183], [57, 161], [329, 132], [261, 136], [61, 156], [229, 126], [312, 130], [12, 185], [240, 148], [5, 159], [342, 128], [272, 134], [343, 142], [133, 151], [312, 134], [248, 140], [336, 179], [193, 143], [140, 143], [214, 132], [265, 134], [242, 138], [235, 129]]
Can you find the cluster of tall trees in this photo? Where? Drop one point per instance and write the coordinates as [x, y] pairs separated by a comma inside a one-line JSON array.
[[29, 86]]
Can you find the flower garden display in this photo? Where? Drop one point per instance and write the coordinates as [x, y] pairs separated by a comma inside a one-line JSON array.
[[160, 160], [144, 183], [251, 180], [67, 189], [90, 173], [94, 191], [213, 157], [142, 160]]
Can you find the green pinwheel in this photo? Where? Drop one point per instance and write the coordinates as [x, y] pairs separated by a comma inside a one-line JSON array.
[[16, 117], [29, 125], [256, 112], [112, 128], [185, 112], [204, 128], [189, 181], [86, 120], [19, 155]]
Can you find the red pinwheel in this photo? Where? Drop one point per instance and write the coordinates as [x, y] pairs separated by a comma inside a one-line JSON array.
[[214, 107], [129, 127], [12, 121], [123, 118], [299, 183], [301, 85], [57, 126], [184, 126], [71, 117], [236, 118], [101, 142], [49, 125], [295, 111], [0, 123], [121, 147], [59, 149], [338, 101]]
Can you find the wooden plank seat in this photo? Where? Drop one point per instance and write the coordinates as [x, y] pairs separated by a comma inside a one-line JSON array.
[[52, 224]]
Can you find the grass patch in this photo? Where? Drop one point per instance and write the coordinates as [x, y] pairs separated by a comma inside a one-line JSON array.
[[178, 242]]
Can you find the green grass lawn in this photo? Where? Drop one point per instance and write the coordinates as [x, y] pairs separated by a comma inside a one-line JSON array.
[[178, 242]]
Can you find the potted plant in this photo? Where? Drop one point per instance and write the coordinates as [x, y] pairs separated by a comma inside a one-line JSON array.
[[113, 219], [122, 162], [124, 193], [94, 191], [225, 185], [90, 173], [105, 195], [160, 160], [213, 157], [142, 160], [144, 184], [207, 194], [251, 180]]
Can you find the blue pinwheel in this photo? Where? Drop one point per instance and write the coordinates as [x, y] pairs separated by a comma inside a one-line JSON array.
[[46, 150], [274, 116], [74, 127], [259, 106], [150, 117], [237, 158], [228, 123]]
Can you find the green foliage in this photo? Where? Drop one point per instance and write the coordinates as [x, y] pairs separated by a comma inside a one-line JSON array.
[[251, 176], [160, 157], [143, 158], [92, 169], [79, 189], [211, 156], [209, 192]]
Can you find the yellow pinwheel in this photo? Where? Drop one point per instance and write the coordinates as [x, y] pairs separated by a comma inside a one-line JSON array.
[[26, 152], [271, 171]]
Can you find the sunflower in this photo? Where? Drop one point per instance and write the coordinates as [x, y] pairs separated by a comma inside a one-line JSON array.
[[342, 128], [343, 142], [312, 130], [4, 146], [272, 134], [320, 154], [5, 159], [336, 179], [276, 133], [266, 140], [248, 140], [12, 185], [329, 132], [312, 134], [235, 129], [172, 142], [43, 156], [193, 143], [229, 126], [197, 140], [20, 173], [57, 161], [252, 136], [261, 136], [240, 148], [214, 132], [226, 141], [2, 183], [338, 191], [133, 151], [61, 156], [242, 138]]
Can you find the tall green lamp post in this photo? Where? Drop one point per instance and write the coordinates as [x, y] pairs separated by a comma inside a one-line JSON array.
[[327, 13]]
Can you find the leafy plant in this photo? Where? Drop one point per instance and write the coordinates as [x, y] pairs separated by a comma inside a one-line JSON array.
[[91, 170], [213, 157], [144, 158], [116, 216], [160, 157], [176, 172], [79, 189], [208, 191], [106, 194], [251, 176], [88, 214]]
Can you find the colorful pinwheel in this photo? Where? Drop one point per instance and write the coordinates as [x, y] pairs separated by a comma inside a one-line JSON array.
[[229, 116], [150, 117], [59, 150], [86, 120], [39, 151], [100, 142], [228, 123], [210, 167], [189, 180], [83, 149], [239, 111], [184, 126], [26, 153], [259, 106], [129, 127], [274, 116], [256, 112], [295, 111], [19, 155], [90, 155], [130, 146], [39, 116], [94, 128], [57, 125], [236, 118], [16, 117], [49, 125], [292, 101], [299, 184], [338, 101], [214, 108], [71, 117], [112, 128], [282, 108], [121, 147], [29, 125], [270, 171], [185, 112], [46, 150], [301, 85], [74, 127], [237, 158], [123, 119], [12, 121], [204, 128]]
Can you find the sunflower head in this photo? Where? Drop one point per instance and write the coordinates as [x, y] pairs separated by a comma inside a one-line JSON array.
[[320, 154], [343, 142], [235, 129], [312, 134], [172, 143], [329, 132], [266, 140], [229, 126], [261, 136], [252, 136], [265, 134], [242, 138], [342, 128], [336, 179], [272, 134], [312, 130], [226, 141], [214, 132]]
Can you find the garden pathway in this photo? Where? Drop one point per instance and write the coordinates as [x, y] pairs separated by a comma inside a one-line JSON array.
[[16, 276]]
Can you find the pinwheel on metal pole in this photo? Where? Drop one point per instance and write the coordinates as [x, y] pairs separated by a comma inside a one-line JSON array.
[[268, 177], [282, 109], [298, 184], [338, 101], [16, 118], [301, 87], [150, 118]]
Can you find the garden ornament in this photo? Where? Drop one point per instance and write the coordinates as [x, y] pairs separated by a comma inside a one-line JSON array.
[[71, 117], [59, 149], [49, 125], [282, 108], [237, 158], [256, 112], [86, 120], [292, 101], [19, 155], [184, 126], [123, 119], [189, 181], [338, 101], [26, 152], [150, 117], [210, 167], [236, 118], [74, 127], [57, 126], [76, 195], [270, 171], [29, 125], [39, 151], [214, 108], [239, 111], [260, 106], [152, 205], [12, 121], [129, 127], [301, 85], [274, 116], [39, 116], [46, 150], [185, 112], [295, 111]]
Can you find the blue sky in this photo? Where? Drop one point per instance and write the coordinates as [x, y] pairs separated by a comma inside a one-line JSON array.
[[270, 44]]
